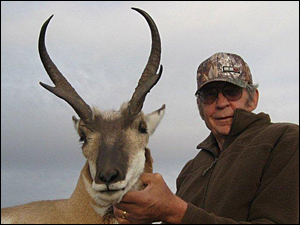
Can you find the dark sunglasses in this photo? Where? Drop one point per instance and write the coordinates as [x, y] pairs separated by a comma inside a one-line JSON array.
[[209, 94]]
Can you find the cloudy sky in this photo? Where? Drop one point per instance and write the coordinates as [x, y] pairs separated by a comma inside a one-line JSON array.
[[102, 48]]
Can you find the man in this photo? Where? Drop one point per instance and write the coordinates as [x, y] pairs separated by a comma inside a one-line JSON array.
[[247, 170]]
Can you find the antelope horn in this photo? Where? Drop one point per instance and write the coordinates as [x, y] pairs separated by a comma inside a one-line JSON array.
[[149, 77], [63, 88]]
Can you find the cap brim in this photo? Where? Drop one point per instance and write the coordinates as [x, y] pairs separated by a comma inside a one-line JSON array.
[[232, 81]]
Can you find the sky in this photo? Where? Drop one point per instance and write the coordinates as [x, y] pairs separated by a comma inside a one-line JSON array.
[[102, 48]]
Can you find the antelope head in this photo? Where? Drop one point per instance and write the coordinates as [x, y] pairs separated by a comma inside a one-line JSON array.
[[114, 142]]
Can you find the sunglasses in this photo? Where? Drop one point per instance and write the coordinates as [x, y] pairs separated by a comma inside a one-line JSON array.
[[209, 93]]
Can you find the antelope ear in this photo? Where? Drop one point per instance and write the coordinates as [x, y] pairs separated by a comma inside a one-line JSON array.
[[154, 118]]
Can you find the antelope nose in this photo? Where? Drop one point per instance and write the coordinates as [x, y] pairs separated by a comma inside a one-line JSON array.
[[107, 177]]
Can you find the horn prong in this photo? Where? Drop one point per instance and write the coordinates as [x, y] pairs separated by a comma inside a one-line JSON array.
[[63, 89]]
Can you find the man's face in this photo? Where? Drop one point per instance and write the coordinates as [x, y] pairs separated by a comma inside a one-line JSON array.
[[218, 115]]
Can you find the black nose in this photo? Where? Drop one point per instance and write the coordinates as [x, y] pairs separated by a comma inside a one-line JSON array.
[[108, 177]]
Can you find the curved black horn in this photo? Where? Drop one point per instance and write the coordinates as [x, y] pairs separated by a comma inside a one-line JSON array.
[[63, 88], [149, 77]]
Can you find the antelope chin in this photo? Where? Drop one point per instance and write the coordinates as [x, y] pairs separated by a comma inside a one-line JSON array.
[[114, 195], [107, 196], [110, 197]]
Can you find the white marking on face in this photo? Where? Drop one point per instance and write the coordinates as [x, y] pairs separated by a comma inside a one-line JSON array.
[[119, 189], [93, 170], [135, 169]]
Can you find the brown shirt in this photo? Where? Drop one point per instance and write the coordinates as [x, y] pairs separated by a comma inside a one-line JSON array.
[[255, 179]]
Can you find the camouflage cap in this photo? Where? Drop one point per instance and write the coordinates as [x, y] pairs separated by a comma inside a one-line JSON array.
[[224, 67]]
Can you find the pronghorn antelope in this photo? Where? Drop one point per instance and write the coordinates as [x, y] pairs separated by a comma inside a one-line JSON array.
[[114, 144]]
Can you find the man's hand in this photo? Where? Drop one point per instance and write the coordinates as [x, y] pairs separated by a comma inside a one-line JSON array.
[[153, 204]]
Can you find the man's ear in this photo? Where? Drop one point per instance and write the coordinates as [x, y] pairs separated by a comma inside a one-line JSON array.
[[154, 118], [254, 103]]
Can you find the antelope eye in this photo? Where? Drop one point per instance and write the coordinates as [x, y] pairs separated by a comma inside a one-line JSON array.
[[142, 128]]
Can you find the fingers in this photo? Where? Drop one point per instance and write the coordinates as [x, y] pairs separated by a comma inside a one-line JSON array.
[[148, 178], [121, 216], [123, 206], [130, 198], [138, 206]]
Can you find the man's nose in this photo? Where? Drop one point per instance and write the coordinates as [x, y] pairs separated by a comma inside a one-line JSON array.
[[221, 101]]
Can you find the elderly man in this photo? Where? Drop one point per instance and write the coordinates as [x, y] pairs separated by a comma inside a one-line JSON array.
[[247, 170]]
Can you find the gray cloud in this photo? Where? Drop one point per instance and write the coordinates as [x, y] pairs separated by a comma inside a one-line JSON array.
[[102, 48]]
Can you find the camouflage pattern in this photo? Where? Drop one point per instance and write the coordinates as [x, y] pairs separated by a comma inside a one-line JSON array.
[[224, 67]]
